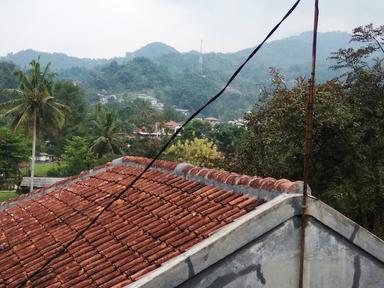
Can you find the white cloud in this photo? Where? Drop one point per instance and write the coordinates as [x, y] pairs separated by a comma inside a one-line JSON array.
[[106, 28]]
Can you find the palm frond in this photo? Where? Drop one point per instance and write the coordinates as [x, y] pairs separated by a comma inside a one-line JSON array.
[[34, 92], [10, 104], [22, 118], [25, 84], [53, 114], [19, 106], [13, 92], [46, 70]]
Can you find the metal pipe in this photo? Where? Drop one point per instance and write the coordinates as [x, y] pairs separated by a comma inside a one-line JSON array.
[[308, 142]]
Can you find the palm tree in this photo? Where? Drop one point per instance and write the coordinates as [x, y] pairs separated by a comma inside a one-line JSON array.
[[33, 105], [107, 139]]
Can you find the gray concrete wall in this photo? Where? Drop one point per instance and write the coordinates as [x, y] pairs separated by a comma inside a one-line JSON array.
[[333, 261], [272, 261], [269, 261]]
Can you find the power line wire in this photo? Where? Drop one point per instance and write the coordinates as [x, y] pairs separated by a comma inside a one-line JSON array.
[[80, 233]]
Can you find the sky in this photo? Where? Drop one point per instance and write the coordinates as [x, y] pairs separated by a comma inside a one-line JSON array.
[[109, 28]]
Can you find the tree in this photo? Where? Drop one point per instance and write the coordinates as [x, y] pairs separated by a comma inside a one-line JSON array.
[[364, 87], [105, 128], [77, 157], [34, 105], [227, 137], [351, 61], [274, 141], [13, 152], [347, 163], [138, 112], [200, 152], [70, 94], [7, 79], [196, 129], [170, 114], [374, 36]]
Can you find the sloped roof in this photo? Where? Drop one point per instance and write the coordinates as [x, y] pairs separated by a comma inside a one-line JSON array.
[[40, 182], [172, 208], [171, 124]]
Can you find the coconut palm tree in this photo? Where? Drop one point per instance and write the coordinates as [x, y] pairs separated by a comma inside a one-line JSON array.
[[105, 128], [33, 105]]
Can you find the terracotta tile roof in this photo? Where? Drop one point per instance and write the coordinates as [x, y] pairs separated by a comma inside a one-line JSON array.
[[170, 209]]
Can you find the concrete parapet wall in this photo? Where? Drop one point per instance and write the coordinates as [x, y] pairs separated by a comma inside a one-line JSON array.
[[261, 249]]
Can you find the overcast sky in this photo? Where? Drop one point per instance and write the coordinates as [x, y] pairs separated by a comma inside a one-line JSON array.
[[107, 28]]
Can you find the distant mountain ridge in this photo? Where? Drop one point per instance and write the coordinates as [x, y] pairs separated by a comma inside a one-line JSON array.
[[285, 53], [174, 78], [59, 61], [154, 50], [62, 61]]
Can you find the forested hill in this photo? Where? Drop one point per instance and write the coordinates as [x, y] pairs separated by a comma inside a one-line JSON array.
[[289, 54], [154, 50], [161, 71], [59, 61]]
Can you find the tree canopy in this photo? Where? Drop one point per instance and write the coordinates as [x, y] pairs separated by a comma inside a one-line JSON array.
[[32, 105], [13, 152], [199, 152], [77, 157], [347, 163]]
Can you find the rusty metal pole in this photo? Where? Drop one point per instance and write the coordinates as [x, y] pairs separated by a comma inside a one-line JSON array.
[[308, 142]]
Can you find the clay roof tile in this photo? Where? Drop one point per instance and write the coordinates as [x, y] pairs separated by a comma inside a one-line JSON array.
[[162, 216]]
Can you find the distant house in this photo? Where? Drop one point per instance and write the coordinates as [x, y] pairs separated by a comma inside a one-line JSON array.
[[181, 226], [238, 122], [158, 130], [184, 112], [44, 157], [147, 133], [38, 182], [156, 104], [104, 99], [76, 82], [171, 126], [212, 120]]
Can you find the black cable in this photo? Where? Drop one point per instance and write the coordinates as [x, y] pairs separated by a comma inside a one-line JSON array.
[[78, 235]]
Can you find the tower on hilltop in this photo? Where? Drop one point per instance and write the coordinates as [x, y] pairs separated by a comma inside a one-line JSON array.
[[201, 58]]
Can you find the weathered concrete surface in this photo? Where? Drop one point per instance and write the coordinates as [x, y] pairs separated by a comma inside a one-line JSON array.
[[333, 261], [272, 261], [261, 249], [346, 228], [269, 261]]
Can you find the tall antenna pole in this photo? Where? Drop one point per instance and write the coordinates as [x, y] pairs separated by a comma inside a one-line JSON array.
[[201, 58], [308, 140]]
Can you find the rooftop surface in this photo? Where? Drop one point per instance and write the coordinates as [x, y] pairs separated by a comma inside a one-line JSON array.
[[40, 181], [170, 209]]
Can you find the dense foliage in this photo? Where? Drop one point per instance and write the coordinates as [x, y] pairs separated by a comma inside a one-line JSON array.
[[32, 106], [199, 152], [175, 79], [77, 157], [13, 152], [347, 165], [7, 80]]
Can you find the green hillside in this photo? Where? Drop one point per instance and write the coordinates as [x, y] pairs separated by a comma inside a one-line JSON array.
[[160, 71]]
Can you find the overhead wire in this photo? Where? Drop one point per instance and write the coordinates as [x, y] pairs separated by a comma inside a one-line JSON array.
[[130, 185]]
